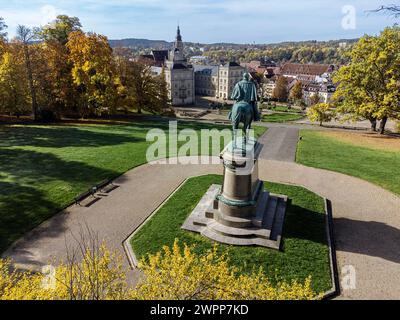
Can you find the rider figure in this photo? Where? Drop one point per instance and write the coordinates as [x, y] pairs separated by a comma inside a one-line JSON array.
[[246, 91]]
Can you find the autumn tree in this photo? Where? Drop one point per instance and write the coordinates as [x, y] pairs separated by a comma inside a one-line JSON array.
[[296, 94], [144, 91], [25, 35], [93, 72], [162, 88], [280, 91], [320, 112], [369, 87], [58, 77], [13, 90], [315, 99]]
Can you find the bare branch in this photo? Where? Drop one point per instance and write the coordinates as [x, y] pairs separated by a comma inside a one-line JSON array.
[[392, 10]]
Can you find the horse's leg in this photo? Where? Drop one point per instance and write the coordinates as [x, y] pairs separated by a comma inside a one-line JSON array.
[[234, 135]]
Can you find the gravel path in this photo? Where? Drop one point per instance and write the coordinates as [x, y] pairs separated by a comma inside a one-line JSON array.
[[280, 143]]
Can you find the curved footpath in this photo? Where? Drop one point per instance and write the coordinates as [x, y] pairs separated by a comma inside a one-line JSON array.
[[366, 220]]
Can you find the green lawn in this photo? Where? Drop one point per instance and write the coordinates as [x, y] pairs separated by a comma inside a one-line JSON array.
[[285, 109], [305, 250], [43, 167], [281, 117], [377, 166]]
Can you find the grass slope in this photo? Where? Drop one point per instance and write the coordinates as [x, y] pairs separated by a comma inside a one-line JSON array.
[[305, 250], [377, 166], [43, 167]]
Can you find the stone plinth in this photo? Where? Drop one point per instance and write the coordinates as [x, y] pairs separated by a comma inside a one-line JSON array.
[[240, 212]]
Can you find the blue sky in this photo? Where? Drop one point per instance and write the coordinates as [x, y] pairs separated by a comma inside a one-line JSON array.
[[240, 21]]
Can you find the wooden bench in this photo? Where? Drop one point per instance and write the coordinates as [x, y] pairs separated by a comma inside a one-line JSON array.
[[84, 195], [106, 186]]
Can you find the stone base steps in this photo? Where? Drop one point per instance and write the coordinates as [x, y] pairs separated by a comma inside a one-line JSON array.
[[263, 229], [211, 234]]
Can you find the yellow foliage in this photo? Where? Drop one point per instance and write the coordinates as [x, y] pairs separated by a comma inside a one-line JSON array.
[[99, 276], [181, 274], [172, 274], [320, 113]]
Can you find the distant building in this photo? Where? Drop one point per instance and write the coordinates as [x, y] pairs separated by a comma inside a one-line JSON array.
[[217, 81], [267, 87], [179, 75], [157, 58], [260, 66], [325, 92], [199, 60], [306, 72]]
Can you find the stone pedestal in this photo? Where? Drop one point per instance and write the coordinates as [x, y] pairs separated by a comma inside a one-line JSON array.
[[240, 212]]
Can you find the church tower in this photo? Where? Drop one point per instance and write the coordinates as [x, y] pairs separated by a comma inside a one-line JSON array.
[[179, 75], [178, 47]]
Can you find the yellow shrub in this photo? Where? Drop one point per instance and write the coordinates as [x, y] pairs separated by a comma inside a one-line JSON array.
[[99, 276], [181, 274], [171, 274]]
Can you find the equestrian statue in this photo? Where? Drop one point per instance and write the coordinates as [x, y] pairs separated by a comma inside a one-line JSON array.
[[245, 109]]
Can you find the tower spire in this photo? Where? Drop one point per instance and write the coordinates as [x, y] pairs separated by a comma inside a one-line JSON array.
[[178, 34]]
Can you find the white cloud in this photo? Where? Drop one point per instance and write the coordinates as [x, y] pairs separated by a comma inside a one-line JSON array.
[[49, 13]]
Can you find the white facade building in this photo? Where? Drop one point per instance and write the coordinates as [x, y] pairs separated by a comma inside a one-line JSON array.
[[179, 75], [218, 81]]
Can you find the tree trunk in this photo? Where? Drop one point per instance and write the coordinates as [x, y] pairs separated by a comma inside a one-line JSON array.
[[30, 79], [383, 125], [373, 124]]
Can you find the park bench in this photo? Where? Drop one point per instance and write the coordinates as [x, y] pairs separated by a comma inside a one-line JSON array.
[[105, 186], [83, 196]]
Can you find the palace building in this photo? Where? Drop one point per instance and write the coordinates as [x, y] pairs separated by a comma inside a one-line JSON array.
[[179, 75], [184, 80]]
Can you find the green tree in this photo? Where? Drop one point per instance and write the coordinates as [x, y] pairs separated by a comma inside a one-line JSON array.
[[59, 29], [280, 91], [369, 87]]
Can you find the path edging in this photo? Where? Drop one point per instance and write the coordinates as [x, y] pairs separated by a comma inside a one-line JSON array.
[[330, 294], [335, 290]]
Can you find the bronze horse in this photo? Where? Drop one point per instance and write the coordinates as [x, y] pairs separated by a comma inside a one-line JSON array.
[[245, 109]]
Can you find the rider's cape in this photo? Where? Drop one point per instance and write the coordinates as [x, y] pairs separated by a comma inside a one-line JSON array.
[[247, 91]]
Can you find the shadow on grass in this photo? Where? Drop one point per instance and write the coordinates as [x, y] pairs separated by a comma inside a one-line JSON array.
[[31, 167], [302, 223], [60, 137], [40, 185], [21, 208], [369, 238]]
